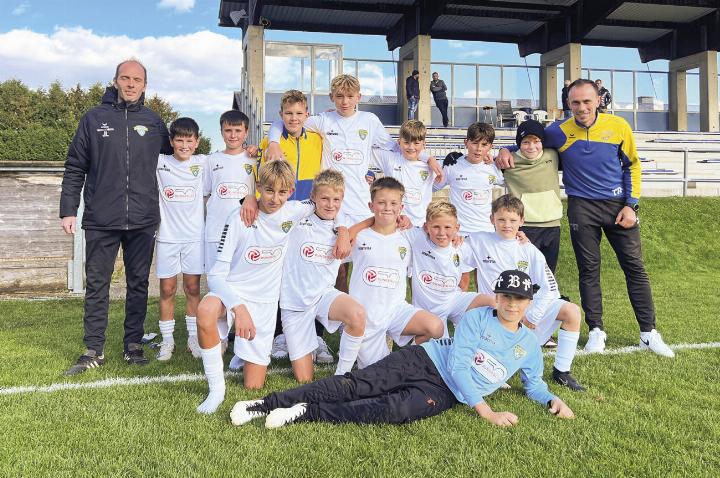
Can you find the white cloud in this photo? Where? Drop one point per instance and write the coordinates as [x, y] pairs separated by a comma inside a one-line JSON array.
[[178, 5], [375, 81], [20, 9], [472, 54], [456, 44], [481, 94], [197, 72]]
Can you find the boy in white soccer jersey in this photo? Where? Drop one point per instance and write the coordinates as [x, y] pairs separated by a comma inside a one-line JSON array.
[[230, 176], [245, 280], [381, 257], [348, 138], [423, 381], [406, 167], [493, 252], [307, 290], [180, 247], [471, 180]]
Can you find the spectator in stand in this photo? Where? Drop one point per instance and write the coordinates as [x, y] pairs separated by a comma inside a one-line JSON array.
[[567, 112], [412, 91], [605, 97], [438, 89]]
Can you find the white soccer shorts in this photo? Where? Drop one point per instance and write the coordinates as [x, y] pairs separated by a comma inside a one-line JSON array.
[[299, 326], [547, 325], [174, 258], [374, 345]]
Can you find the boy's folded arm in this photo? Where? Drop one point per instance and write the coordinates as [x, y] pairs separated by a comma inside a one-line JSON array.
[[342, 246], [249, 210], [436, 168], [356, 228]]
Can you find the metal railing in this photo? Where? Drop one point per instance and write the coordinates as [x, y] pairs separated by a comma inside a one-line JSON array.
[[251, 105]]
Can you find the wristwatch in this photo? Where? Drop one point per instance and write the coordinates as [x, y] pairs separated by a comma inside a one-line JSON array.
[[634, 207]]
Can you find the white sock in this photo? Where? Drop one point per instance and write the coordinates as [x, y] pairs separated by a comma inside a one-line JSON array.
[[567, 343], [223, 328], [213, 366], [167, 327], [191, 324], [349, 348]]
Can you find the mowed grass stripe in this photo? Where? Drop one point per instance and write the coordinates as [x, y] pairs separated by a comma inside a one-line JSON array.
[[193, 377]]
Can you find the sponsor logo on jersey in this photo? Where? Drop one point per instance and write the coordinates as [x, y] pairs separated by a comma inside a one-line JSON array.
[[402, 250], [364, 247], [488, 260], [217, 167], [456, 260], [412, 196], [492, 179], [475, 196], [263, 255], [424, 175], [141, 130], [332, 132], [522, 266], [434, 281], [105, 129], [232, 190], [381, 277], [179, 193], [363, 134], [195, 169], [488, 366], [317, 253], [163, 168], [428, 254], [519, 352], [248, 168], [347, 156], [286, 226]]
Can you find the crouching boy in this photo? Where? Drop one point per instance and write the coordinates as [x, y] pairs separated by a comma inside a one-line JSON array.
[[425, 380]]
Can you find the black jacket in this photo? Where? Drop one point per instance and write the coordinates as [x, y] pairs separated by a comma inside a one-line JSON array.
[[565, 92], [438, 89], [412, 87], [114, 155]]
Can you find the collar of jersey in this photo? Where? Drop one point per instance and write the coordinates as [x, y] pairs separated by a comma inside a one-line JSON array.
[[285, 133]]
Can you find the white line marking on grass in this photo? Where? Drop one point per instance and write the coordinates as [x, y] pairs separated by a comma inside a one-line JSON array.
[[196, 377]]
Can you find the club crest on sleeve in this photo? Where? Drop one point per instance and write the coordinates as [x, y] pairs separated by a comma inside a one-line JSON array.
[[362, 133], [519, 352], [141, 130], [248, 169], [195, 169], [403, 251], [286, 226]]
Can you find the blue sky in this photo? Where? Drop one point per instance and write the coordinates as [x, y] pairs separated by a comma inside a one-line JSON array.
[[191, 61]]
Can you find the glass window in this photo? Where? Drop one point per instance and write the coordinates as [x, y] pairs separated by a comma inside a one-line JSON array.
[[326, 66], [489, 88], [294, 61], [692, 85], [652, 91], [378, 81], [622, 90], [521, 86], [465, 88]]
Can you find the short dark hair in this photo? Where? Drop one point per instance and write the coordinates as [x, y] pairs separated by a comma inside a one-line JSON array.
[[130, 60], [583, 81], [481, 131], [184, 127], [386, 182], [509, 203], [234, 118]]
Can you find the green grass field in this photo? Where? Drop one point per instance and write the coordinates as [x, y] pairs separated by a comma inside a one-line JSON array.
[[642, 415]]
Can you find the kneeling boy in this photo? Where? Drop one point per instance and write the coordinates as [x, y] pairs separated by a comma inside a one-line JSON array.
[[425, 380]]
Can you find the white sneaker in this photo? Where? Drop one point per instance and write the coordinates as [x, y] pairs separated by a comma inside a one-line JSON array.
[[284, 416], [322, 354], [236, 363], [279, 348], [166, 351], [240, 415], [193, 346], [653, 341], [596, 341]]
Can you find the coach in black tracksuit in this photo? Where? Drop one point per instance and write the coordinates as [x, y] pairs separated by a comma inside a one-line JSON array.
[[114, 156]]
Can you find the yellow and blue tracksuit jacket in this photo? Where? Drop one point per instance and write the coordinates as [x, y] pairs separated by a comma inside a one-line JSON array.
[[304, 154], [598, 162]]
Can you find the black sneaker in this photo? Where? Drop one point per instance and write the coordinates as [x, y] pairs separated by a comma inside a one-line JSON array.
[[566, 380], [90, 359], [134, 355]]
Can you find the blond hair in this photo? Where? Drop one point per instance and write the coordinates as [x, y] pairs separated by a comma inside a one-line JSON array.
[[413, 130], [292, 97], [344, 83], [274, 172], [509, 203], [440, 207], [330, 178], [386, 183]]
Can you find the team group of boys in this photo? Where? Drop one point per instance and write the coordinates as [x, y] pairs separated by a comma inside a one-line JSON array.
[[273, 252]]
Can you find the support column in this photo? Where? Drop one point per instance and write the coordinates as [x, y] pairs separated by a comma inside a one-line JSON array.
[[415, 55], [706, 61], [570, 56], [254, 60]]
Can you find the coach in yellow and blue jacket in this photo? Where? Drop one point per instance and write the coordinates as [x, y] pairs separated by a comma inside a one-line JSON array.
[[602, 177]]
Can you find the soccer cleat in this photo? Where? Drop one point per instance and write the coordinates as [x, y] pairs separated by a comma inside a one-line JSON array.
[[596, 341], [166, 351], [566, 380], [236, 363], [193, 346], [134, 355], [240, 415], [550, 344], [322, 354], [279, 348], [653, 341], [89, 359], [284, 416]]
